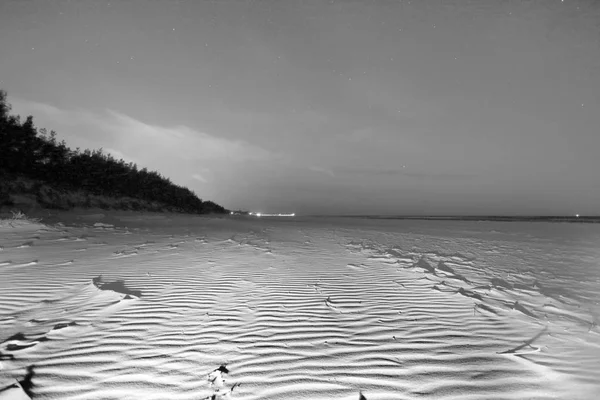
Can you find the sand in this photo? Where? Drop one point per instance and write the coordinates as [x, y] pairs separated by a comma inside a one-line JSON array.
[[132, 306]]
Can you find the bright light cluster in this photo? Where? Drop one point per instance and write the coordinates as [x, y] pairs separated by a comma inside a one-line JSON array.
[[258, 214]]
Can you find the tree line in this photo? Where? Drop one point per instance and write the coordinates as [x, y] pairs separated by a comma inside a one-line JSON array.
[[39, 155]]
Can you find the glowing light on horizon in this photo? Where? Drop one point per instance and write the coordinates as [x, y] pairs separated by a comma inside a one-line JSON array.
[[259, 214]]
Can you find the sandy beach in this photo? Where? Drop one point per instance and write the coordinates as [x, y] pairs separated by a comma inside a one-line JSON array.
[[123, 305]]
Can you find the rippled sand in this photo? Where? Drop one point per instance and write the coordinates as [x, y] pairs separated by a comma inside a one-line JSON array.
[[176, 307]]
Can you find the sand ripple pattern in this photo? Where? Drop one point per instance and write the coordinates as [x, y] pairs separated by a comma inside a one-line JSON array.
[[272, 310]]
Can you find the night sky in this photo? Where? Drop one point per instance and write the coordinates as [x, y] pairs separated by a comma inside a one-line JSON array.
[[325, 107]]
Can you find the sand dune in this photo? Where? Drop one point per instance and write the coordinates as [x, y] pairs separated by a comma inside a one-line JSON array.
[[127, 307]]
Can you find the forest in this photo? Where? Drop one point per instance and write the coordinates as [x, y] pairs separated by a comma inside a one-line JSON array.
[[36, 155]]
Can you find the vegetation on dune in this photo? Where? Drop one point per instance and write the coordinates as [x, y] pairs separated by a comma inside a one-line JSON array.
[[60, 177], [17, 217]]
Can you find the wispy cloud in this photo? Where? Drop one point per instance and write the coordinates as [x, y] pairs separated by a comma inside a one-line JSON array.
[[128, 135], [47, 112], [181, 152], [199, 178], [183, 142], [321, 170]]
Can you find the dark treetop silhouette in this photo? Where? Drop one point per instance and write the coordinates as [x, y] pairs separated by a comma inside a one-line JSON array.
[[32, 154]]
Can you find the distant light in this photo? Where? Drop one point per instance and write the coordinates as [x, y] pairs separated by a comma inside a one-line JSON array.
[[231, 213], [258, 214], [577, 215]]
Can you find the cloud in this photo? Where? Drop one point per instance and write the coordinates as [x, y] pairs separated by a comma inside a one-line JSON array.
[[182, 153], [47, 112], [321, 170], [200, 178], [127, 135], [183, 142]]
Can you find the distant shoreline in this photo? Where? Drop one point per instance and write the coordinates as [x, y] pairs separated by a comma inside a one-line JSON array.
[[580, 219]]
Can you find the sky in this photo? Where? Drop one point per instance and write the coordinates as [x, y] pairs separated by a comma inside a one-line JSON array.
[[415, 107]]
